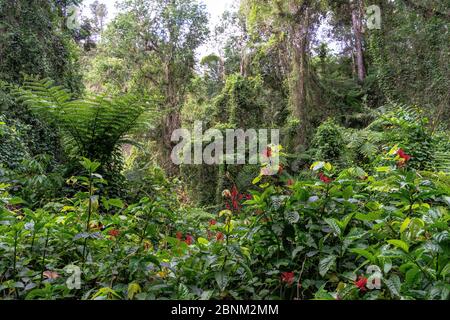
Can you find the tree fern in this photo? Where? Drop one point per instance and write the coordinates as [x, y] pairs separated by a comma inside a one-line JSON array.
[[442, 161], [93, 127]]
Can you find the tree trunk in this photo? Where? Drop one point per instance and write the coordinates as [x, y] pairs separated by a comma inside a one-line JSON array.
[[299, 74], [358, 38], [243, 64], [222, 69], [171, 122]]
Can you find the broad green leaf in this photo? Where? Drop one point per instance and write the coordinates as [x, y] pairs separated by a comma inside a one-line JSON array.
[[16, 200], [133, 289], [116, 203], [405, 224], [399, 244], [334, 224], [365, 253], [393, 283], [257, 179], [345, 221], [202, 241], [348, 192], [222, 280], [326, 263], [411, 275], [371, 216]]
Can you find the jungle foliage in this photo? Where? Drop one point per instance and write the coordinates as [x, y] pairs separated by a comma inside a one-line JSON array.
[[92, 207]]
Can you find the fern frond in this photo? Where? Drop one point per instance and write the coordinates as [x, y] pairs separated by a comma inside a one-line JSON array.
[[94, 126]]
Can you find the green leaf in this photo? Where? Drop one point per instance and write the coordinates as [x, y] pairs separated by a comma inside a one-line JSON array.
[[371, 216], [345, 221], [348, 192], [222, 280], [183, 291], [399, 244], [405, 224], [257, 179], [334, 224], [393, 284], [116, 203], [326, 263], [365, 253], [133, 289], [412, 275], [296, 251], [16, 200], [202, 241]]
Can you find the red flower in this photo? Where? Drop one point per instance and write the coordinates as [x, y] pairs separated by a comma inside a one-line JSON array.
[[179, 235], [234, 192], [114, 232], [227, 205], [290, 182], [219, 236], [248, 197], [267, 152], [287, 277], [212, 222], [324, 178], [361, 283], [235, 204], [189, 239], [401, 153]]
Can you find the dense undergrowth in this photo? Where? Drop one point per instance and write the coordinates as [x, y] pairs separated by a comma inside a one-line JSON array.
[[327, 235]]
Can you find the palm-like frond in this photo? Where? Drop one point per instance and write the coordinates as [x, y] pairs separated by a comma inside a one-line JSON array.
[[365, 142], [94, 126], [442, 161]]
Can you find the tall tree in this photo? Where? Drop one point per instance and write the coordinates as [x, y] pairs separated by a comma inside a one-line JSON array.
[[292, 23], [356, 8], [153, 45], [99, 13], [347, 23]]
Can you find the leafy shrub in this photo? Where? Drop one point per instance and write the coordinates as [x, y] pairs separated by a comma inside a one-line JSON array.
[[328, 141], [13, 149]]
